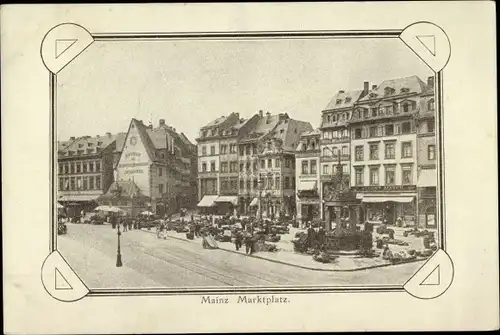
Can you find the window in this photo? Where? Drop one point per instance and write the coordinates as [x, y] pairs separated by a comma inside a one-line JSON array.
[[223, 149], [373, 131], [430, 126], [278, 162], [212, 150], [72, 167], [204, 167], [359, 176], [255, 166], [203, 150], [374, 112], [66, 168], [97, 166], [390, 150], [85, 183], [233, 167], [305, 167], [345, 150], [270, 183], [390, 175], [262, 164], [406, 175], [84, 167], [406, 108], [242, 150], [406, 150], [232, 148], [160, 188], [326, 152], [313, 167], [242, 167], [326, 169], [430, 105], [248, 184], [248, 167], [287, 163], [359, 153], [345, 169], [269, 163], [223, 167], [287, 182], [357, 133], [388, 110], [374, 151], [374, 174], [397, 129], [91, 183], [61, 184], [248, 149], [254, 149], [212, 166], [98, 182], [278, 183], [431, 152], [255, 184], [60, 168], [242, 184], [406, 127], [160, 171], [389, 130]]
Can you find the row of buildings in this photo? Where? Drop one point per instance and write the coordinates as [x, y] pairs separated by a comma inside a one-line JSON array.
[[146, 168], [377, 145]]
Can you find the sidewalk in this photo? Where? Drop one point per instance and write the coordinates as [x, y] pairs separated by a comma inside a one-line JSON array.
[[285, 254]]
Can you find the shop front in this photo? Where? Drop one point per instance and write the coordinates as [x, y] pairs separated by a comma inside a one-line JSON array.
[[427, 198], [388, 207]]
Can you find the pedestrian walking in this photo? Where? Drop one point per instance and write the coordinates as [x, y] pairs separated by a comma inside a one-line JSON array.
[[248, 244], [125, 225], [238, 240]]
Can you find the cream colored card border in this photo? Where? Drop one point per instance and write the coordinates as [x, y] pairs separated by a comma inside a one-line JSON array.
[[469, 140]]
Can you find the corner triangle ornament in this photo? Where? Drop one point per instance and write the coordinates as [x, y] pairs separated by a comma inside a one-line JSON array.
[[433, 278], [60, 281], [429, 42], [63, 44]]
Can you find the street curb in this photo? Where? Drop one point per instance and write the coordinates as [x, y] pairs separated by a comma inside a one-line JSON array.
[[301, 266]]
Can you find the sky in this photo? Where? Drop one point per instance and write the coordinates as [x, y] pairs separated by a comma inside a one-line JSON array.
[[191, 82]]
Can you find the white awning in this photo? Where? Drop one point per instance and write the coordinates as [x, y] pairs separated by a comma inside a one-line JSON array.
[[427, 178], [231, 199], [208, 201], [78, 197], [380, 199], [308, 185], [254, 202]]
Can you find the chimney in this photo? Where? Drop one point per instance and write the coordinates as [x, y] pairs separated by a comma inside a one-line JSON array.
[[162, 122], [261, 113], [72, 138], [366, 87], [374, 87], [430, 82], [108, 134]]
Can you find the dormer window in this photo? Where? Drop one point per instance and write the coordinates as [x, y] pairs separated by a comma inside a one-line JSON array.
[[80, 145], [373, 95], [389, 91], [89, 144], [338, 102], [405, 90], [347, 100], [334, 118], [99, 143]]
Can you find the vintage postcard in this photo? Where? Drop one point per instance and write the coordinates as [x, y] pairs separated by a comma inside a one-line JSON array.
[[249, 167]]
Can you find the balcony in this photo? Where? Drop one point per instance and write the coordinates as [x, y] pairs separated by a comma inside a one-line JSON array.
[[379, 117]]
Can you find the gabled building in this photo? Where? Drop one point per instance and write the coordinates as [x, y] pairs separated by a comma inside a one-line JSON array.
[[158, 161], [384, 149], [336, 143], [85, 171]]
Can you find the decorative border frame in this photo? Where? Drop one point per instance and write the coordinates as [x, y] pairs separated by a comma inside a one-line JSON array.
[[47, 44]]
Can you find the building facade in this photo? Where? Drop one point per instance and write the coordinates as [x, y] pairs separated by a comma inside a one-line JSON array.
[[307, 167], [158, 163], [384, 149], [85, 171], [336, 142]]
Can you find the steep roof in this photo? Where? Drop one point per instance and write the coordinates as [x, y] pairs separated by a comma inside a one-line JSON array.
[[413, 83], [89, 145], [315, 132], [344, 99], [215, 122]]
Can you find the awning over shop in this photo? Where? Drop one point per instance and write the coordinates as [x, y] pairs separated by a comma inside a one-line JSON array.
[[231, 199], [427, 178], [78, 197], [308, 185], [254, 202], [389, 198], [208, 201]]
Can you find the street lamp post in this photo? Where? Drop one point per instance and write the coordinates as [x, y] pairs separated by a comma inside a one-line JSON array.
[[261, 183], [118, 252]]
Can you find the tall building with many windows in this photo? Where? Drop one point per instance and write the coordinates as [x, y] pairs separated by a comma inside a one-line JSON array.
[[384, 149]]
